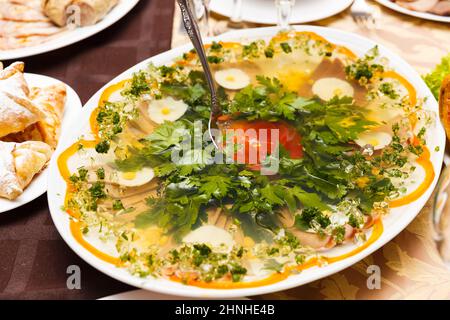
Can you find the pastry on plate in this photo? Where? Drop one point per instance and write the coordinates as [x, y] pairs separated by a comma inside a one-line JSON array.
[[444, 104], [45, 107], [438, 7], [19, 163], [17, 111], [25, 10], [26, 23], [91, 11], [51, 101], [30, 124]]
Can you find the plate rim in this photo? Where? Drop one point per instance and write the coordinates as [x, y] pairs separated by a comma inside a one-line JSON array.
[[167, 287], [266, 22], [421, 15], [142, 294], [45, 173], [76, 36]]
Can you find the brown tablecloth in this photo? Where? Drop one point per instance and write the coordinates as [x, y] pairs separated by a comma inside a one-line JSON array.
[[33, 257]]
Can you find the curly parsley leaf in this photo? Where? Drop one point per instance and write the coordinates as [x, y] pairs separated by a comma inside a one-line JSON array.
[[311, 218], [434, 78], [167, 135]]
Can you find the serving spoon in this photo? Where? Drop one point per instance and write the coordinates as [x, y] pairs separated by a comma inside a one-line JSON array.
[[192, 29]]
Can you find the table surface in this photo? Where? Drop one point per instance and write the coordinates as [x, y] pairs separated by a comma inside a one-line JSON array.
[[34, 258]]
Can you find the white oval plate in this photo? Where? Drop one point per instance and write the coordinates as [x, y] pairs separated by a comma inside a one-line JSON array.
[[394, 223], [38, 186], [145, 295], [417, 14], [265, 12], [73, 36]]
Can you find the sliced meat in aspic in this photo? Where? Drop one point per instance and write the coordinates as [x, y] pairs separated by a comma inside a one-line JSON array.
[[419, 5], [442, 8]]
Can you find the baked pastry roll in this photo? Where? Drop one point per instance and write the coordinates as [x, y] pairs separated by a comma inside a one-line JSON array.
[[17, 111], [12, 79], [19, 163], [25, 11], [444, 104], [91, 11], [33, 4], [56, 10], [51, 101], [30, 133], [23, 23]]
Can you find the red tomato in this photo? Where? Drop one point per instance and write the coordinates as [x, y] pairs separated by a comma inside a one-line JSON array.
[[255, 142]]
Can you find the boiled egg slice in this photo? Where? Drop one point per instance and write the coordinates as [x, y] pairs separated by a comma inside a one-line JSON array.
[[233, 79], [211, 235], [166, 109], [377, 139], [134, 179], [328, 88]]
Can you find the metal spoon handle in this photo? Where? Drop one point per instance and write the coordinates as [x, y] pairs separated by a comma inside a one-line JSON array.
[[193, 31]]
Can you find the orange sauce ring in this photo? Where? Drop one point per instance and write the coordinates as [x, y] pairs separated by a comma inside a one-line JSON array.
[[280, 276], [106, 95]]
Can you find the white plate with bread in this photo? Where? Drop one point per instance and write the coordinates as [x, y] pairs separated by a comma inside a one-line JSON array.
[[34, 110], [32, 27]]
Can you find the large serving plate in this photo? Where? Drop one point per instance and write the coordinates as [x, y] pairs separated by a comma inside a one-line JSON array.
[[73, 36], [38, 186], [144, 295], [394, 223], [265, 12], [417, 14]]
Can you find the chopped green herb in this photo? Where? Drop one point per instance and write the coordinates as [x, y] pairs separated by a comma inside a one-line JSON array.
[[102, 147], [118, 205], [286, 47], [100, 173], [214, 59]]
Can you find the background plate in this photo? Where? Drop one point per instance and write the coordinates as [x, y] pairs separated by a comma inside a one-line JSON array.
[[38, 186], [423, 15], [71, 37], [265, 12], [394, 223], [144, 295]]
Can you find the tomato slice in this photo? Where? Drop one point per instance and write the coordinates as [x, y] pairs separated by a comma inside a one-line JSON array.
[[255, 140]]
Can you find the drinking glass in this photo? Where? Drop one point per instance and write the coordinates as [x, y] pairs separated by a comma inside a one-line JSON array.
[[236, 15], [284, 8], [441, 215], [200, 8]]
